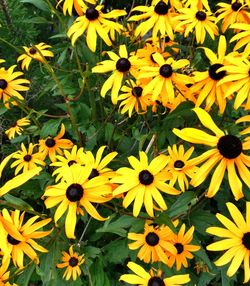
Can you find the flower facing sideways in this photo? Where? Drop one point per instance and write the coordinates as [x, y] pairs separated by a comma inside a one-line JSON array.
[[72, 261], [235, 240], [17, 128]]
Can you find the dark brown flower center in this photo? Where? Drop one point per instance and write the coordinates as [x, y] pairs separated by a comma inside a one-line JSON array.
[[73, 261], [94, 173], [3, 83], [166, 70], [167, 39], [179, 164], [137, 91], [152, 239], [27, 158], [179, 247], [229, 146], [123, 65], [156, 281], [236, 6], [32, 51], [71, 162], [201, 16], [213, 72], [50, 142], [145, 177], [246, 240], [161, 8], [74, 192], [12, 240], [92, 14]]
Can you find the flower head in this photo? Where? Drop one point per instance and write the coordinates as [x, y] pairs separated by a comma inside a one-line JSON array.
[[235, 239], [10, 85], [53, 145], [143, 278], [74, 192], [72, 261], [120, 66], [226, 151], [143, 182], [33, 53], [77, 4], [17, 127]]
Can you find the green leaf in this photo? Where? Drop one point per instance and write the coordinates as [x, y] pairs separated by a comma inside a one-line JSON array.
[[112, 254], [98, 275], [182, 204], [40, 4], [164, 218], [24, 278], [37, 20], [50, 128], [17, 202], [109, 130]]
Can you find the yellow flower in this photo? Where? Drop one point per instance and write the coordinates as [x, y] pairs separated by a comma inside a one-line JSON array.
[[181, 242], [198, 3], [95, 22], [53, 145], [142, 183], [207, 83], [33, 53], [226, 151], [10, 85], [72, 261], [20, 237], [74, 191], [120, 66], [201, 21], [17, 128], [243, 37], [180, 166], [4, 274], [238, 75], [78, 4], [232, 13], [26, 159], [159, 17], [235, 239], [143, 278], [132, 98], [165, 78], [152, 243]]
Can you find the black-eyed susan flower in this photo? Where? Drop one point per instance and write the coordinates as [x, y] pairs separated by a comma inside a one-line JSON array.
[[74, 192], [159, 17], [180, 166], [21, 236], [17, 180], [235, 12], [245, 119], [17, 128], [181, 241], [152, 243], [121, 66], [95, 22], [132, 98], [10, 85], [72, 261], [143, 182], [165, 78], [207, 82], [237, 70], [77, 4], [227, 152], [143, 278], [242, 38], [200, 21], [234, 239], [63, 162], [33, 53], [26, 159], [53, 145]]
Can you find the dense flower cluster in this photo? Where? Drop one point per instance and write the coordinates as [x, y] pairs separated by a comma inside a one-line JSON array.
[[165, 54]]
